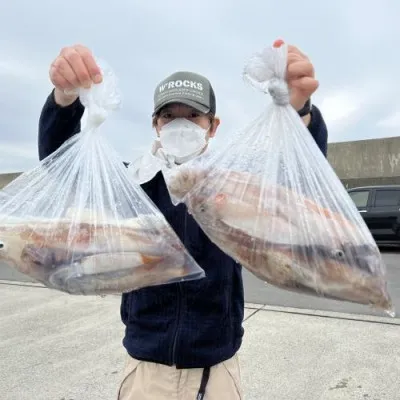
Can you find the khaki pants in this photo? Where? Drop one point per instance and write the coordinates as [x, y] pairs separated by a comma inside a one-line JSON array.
[[150, 381]]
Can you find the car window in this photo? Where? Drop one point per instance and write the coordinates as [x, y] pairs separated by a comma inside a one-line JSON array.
[[360, 198], [387, 198]]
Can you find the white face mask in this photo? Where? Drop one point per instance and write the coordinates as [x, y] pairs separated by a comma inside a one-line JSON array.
[[183, 139]]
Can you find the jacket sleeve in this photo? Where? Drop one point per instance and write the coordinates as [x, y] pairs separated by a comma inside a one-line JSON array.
[[57, 124], [318, 130]]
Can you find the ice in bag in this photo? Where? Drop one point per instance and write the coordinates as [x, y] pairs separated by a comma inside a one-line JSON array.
[[77, 223], [271, 201]]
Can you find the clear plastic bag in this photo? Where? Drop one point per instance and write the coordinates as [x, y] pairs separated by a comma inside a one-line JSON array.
[[271, 201], [77, 223]]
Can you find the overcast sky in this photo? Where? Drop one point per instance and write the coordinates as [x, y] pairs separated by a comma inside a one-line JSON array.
[[354, 46]]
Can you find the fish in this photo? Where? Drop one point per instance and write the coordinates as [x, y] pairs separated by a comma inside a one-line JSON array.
[[95, 257], [284, 238]]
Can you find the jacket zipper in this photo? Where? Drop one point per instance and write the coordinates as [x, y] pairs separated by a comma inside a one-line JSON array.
[[178, 314]]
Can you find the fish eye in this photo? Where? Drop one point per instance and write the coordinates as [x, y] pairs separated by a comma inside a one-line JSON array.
[[1, 245], [202, 208], [339, 253]]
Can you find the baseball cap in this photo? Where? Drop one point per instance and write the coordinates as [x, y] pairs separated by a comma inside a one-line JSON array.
[[188, 88]]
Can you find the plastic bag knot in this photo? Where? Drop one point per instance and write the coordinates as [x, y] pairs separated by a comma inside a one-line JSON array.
[[101, 99], [266, 71], [279, 91]]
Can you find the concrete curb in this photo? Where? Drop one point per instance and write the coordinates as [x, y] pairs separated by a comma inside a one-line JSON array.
[[20, 283], [325, 314]]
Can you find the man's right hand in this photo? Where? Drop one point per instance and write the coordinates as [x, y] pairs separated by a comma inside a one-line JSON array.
[[74, 68]]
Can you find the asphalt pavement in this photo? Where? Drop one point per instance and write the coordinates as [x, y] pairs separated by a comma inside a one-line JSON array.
[[55, 346]]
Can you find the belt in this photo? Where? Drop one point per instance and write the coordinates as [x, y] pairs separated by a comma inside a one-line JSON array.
[[203, 384]]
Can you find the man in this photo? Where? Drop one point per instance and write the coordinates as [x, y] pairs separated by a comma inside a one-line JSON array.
[[182, 339]]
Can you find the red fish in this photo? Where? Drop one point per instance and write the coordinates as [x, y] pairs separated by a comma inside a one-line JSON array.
[[95, 258], [283, 237]]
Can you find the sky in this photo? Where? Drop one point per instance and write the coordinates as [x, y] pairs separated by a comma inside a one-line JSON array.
[[353, 45]]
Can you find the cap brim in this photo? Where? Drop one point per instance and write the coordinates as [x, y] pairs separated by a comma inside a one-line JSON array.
[[190, 103]]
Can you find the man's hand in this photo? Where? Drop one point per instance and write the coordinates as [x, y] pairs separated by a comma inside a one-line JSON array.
[[300, 77], [73, 68]]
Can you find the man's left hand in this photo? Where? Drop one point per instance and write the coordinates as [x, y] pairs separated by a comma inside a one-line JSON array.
[[300, 76]]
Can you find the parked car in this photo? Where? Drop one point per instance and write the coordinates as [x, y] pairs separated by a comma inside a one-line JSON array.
[[380, 208]]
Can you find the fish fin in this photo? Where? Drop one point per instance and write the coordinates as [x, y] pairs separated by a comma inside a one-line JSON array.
[[328, 214], [150, 259], [220, 198], [311, 206]]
